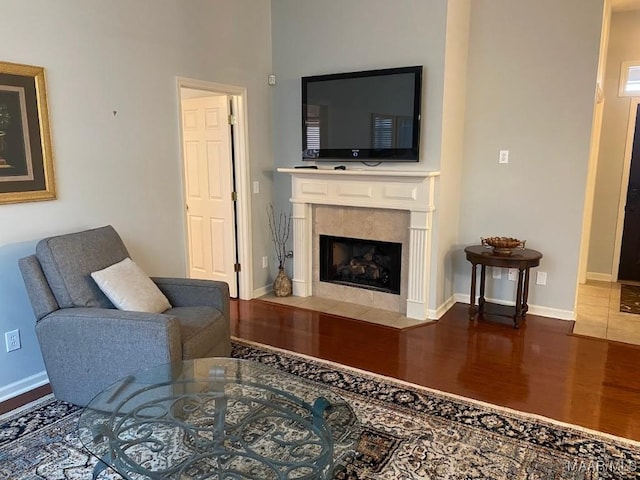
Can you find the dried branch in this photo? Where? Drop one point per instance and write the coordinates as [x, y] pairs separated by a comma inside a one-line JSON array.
[[280, 226]]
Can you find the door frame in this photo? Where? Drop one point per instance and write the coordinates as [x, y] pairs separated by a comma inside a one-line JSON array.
[[624, 186], [241, 170], [594, 148]]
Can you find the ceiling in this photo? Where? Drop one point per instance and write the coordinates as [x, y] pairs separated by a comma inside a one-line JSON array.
[[624, 5]]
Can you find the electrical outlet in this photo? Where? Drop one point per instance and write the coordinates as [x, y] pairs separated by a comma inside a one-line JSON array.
[[265, 262], [496, 272], [541, 278], [513, 274], [256, 186], [503, 157], [12, 340]]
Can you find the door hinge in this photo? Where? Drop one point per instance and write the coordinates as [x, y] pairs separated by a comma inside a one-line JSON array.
[[237, 268], [234, 196], [232, 119]]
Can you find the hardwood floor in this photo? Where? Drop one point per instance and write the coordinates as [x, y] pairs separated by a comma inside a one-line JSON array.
[[25, 398], [541, 368]]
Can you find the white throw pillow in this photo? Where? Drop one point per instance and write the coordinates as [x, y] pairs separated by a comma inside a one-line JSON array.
[[129, 288]]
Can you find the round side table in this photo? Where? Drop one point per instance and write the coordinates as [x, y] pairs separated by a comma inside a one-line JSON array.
[[521, 259]]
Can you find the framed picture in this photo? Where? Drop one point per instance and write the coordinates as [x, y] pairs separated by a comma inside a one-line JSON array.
[[26, 163]]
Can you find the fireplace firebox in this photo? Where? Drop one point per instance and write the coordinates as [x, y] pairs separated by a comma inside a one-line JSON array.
[[368, 264]]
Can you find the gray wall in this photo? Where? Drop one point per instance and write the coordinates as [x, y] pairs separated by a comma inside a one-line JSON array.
[[126, 169], [624, 45], [333, 36], [313, 37], [21, 368], [530, 86], [531, 82]]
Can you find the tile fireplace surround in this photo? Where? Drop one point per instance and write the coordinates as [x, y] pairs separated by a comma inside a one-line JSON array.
[[377, 193]]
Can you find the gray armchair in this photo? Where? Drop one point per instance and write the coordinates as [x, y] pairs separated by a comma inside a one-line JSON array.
[[88, 344]]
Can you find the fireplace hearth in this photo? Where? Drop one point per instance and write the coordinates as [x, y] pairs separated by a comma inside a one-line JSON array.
[[369, 264]]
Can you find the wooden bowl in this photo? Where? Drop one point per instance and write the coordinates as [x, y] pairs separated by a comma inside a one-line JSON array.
[[502, 245]]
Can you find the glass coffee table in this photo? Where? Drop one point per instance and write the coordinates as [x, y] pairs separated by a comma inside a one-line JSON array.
[[217, 418]]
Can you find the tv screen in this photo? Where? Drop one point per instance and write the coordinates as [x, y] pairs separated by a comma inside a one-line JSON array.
[[372, 115]]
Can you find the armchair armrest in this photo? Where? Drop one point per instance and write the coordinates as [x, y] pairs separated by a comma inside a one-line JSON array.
[[190, 292], [87, 349]]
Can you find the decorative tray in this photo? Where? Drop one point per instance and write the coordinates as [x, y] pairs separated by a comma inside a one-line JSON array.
[[502, 245]]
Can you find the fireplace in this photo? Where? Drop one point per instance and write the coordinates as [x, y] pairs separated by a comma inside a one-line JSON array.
[[368, 264], [382, 195]]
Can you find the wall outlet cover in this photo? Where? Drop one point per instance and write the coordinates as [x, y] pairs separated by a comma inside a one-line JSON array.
[[541, 278], [12, 340]]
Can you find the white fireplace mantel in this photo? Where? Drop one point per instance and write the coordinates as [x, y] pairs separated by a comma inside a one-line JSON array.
[[409, 190]]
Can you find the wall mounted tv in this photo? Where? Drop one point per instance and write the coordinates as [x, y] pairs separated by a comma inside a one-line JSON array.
[[372, 115]]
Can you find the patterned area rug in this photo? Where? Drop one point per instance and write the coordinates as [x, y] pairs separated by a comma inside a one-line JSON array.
[[408, 432], [630, 298]]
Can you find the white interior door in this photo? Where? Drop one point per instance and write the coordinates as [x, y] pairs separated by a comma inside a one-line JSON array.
[[209, 185]]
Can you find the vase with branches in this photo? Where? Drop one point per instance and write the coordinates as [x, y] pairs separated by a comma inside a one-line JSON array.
[[280, 227]]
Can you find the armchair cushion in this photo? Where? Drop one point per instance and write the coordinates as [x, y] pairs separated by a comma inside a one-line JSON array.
[[204, 331], [68, 260], [129, 288]]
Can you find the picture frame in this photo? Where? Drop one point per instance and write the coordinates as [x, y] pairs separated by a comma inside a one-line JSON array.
[[26, 160]]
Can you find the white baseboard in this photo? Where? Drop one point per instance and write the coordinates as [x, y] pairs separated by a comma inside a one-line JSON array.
[[442, 309], [262, 291], [23, 386], [533, 309], [552, 312], [436, 314], [600, 277]]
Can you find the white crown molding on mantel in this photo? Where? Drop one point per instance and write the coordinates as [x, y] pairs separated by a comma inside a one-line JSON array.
[[378, 172], [394, 189], [409, 190]]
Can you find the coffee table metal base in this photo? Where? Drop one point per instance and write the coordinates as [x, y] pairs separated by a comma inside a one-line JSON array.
[[230, 422]]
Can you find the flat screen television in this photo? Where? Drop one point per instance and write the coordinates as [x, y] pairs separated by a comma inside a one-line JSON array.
[[359, 116]]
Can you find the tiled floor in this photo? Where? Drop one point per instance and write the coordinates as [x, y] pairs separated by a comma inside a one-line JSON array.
[[351, 310], [598, 314]]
